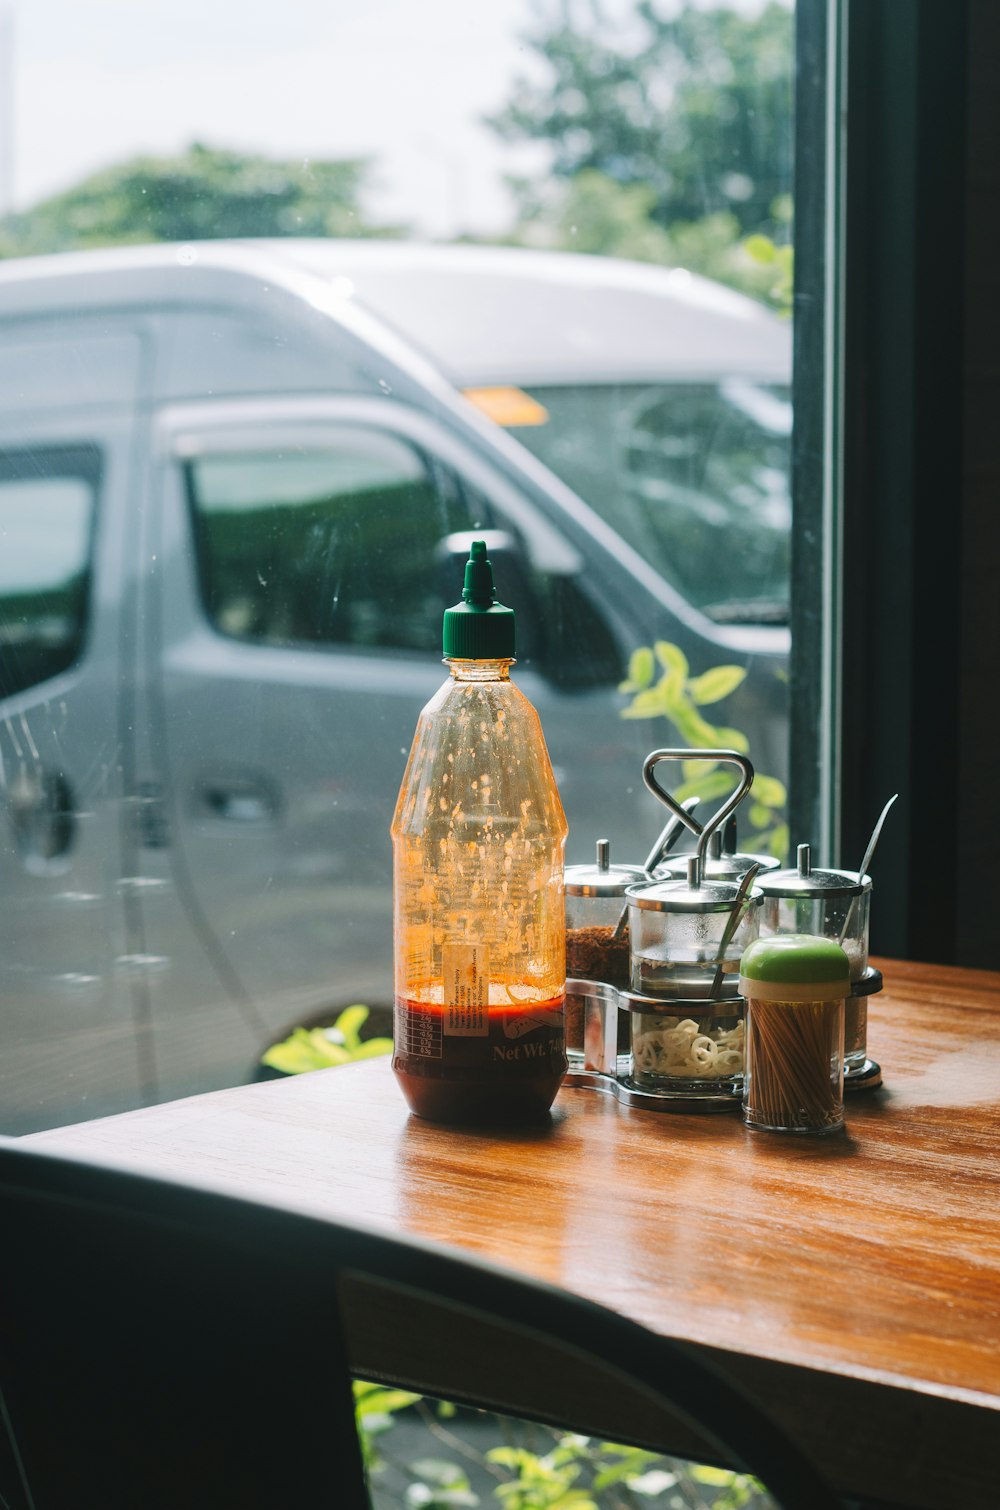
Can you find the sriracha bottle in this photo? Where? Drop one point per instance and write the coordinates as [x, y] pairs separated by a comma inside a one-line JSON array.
[[479, 836]]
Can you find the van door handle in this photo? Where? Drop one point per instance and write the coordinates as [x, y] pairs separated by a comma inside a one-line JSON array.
[[42, 814], [241, 800]]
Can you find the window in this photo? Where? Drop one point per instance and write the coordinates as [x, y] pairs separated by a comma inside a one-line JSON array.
[[637, 158], [48, 502], [324, 548]]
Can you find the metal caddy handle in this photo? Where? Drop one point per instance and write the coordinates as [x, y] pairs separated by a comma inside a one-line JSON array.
[[702, 831]]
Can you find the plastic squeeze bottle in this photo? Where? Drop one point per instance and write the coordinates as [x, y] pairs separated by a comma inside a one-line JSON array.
[[479, 836]]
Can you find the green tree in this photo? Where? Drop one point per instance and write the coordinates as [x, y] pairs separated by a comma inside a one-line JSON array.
[[592, 213], [201, 194], [695, 105]]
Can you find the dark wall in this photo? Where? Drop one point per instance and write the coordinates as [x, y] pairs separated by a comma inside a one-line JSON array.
[[921, 633], [978, 807]]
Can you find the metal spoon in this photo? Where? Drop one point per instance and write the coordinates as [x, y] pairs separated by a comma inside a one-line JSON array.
[[869, 852], [739, 904], [665, 842]]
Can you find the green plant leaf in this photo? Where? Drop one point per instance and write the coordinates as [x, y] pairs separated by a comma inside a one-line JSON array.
[[721, 1478], [778, 841], [348, 1025], [673, 695], [641, 670], [714, 685], [648, 704], [769, 791], [733, 739], [672, 658], [693, 729], [319, 1049], [719, 784], [304, 1050], [508, 1457], [630, 1468], [760, 248], [694, 770], [379, 1401]]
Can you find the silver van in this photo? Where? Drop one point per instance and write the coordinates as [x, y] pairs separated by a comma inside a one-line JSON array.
[[237, 483]]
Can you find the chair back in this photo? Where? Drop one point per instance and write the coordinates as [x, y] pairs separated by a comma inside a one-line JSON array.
[[166, 1345]]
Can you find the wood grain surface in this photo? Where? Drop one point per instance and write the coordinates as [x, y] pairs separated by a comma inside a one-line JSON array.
[[853, 1283]]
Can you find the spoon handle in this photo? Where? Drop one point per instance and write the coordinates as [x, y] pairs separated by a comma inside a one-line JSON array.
[[869, 852]]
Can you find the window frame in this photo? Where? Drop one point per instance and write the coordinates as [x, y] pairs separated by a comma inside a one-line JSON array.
[[879, 399], [815, 700]]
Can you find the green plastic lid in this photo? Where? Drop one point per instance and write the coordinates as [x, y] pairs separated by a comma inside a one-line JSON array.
[[479, 628], [793, 967]]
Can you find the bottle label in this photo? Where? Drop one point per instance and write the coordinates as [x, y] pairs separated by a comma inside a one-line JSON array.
[[468, 1037], [466, 971], [547, 1018]]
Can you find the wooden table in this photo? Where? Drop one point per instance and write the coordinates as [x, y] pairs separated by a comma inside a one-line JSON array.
[[853, 1284]]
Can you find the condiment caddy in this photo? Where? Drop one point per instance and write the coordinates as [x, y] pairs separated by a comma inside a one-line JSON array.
[[670, 1031]]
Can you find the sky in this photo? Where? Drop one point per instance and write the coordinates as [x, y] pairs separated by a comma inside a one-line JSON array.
[[404, 82]]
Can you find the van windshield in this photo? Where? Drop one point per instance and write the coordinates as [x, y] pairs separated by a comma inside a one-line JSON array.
[[694, 476]]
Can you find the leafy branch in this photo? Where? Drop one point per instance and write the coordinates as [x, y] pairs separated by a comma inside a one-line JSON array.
[[319, 1048], [532, 1468], [679, 697]]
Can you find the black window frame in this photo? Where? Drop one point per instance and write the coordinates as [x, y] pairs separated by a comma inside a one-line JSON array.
[[880, 499]]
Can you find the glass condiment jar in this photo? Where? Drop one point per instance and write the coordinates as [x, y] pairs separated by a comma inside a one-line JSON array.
[[686, 1015], [478, 911], [795, 987], [688, 1049], [597, 946], [597, 950], [831, 904]]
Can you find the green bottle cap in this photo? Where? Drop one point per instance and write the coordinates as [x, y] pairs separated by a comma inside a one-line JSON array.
[[479, 628], [794, 967]]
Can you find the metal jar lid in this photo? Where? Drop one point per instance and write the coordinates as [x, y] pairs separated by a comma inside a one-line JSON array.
[[723, 861], [722, 868], [602, 879], [679, 896], [806, 882]]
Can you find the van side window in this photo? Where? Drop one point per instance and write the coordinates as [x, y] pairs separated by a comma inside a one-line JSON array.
[[694, 476], [336, 546], [48, 505]]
